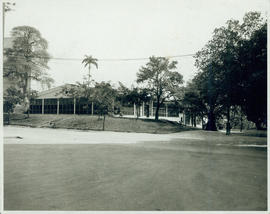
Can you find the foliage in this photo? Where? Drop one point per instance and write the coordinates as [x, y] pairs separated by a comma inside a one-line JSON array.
[[192, 102], [253, 58], [104, 97], [33, 95], [12, 97], [238, 119], [88, 61], [137, 96], [221, 68], [102, 94], [27, 59], [160, 78], [80, 91]]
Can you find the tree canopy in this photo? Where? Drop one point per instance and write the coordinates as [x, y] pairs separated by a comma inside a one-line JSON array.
[[88, 61], [135, 95], [253, 58], [160, 78], [27, 59], [192, 102], [227, 66]]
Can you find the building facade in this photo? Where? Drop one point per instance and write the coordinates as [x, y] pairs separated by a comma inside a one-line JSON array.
[[56, 101]]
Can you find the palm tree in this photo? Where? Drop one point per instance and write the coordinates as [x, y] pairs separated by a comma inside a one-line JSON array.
[[87, 61]]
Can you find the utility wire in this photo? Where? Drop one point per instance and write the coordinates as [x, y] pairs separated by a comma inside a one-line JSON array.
[[100, 59]]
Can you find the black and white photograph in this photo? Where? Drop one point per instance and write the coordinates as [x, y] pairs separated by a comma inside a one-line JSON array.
[[134, 105]]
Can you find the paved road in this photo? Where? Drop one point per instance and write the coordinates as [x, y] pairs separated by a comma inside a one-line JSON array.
[[48, 169], [26, 135]]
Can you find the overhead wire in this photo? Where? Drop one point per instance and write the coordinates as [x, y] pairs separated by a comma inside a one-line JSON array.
[[101, 59]]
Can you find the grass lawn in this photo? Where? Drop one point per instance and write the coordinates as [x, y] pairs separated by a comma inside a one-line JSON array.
[[88, 122], [179, 174]]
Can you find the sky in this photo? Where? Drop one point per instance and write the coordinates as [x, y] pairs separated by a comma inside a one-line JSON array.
[[121, 29]]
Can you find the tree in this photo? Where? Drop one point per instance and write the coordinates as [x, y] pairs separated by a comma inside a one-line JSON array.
[[104, 96], [12, 97], [209, 94], [253, 58], [80, 91], [193, 103], [161, 79], [218, 62], [221, 68], [27, 59], [88, 61], [137, 96]]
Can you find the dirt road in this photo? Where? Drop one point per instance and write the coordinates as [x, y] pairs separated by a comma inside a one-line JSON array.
[[48, 169]]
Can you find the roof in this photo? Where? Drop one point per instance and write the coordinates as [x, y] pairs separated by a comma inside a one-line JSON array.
[[54, 93]]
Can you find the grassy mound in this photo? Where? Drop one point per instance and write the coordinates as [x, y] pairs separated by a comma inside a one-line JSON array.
[[88, 122]]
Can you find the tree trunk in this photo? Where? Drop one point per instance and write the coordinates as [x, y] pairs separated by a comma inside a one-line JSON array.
[[137, 111], [8, 119], [195, 121], [211, 124], [26, 92], [147, 111], [157, 109], [258, 125], [228, 125], [103, 128]]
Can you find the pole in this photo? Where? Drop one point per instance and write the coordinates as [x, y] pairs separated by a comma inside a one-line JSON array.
[[5, 8], [3, 12], [143, 109], [1, 103], [74, 106], [42, 110]]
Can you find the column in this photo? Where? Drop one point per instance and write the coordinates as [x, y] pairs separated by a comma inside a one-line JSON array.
[[134, 110], [57, 106], [152, 108], [42, 111], [74, 106], [92, 110]]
